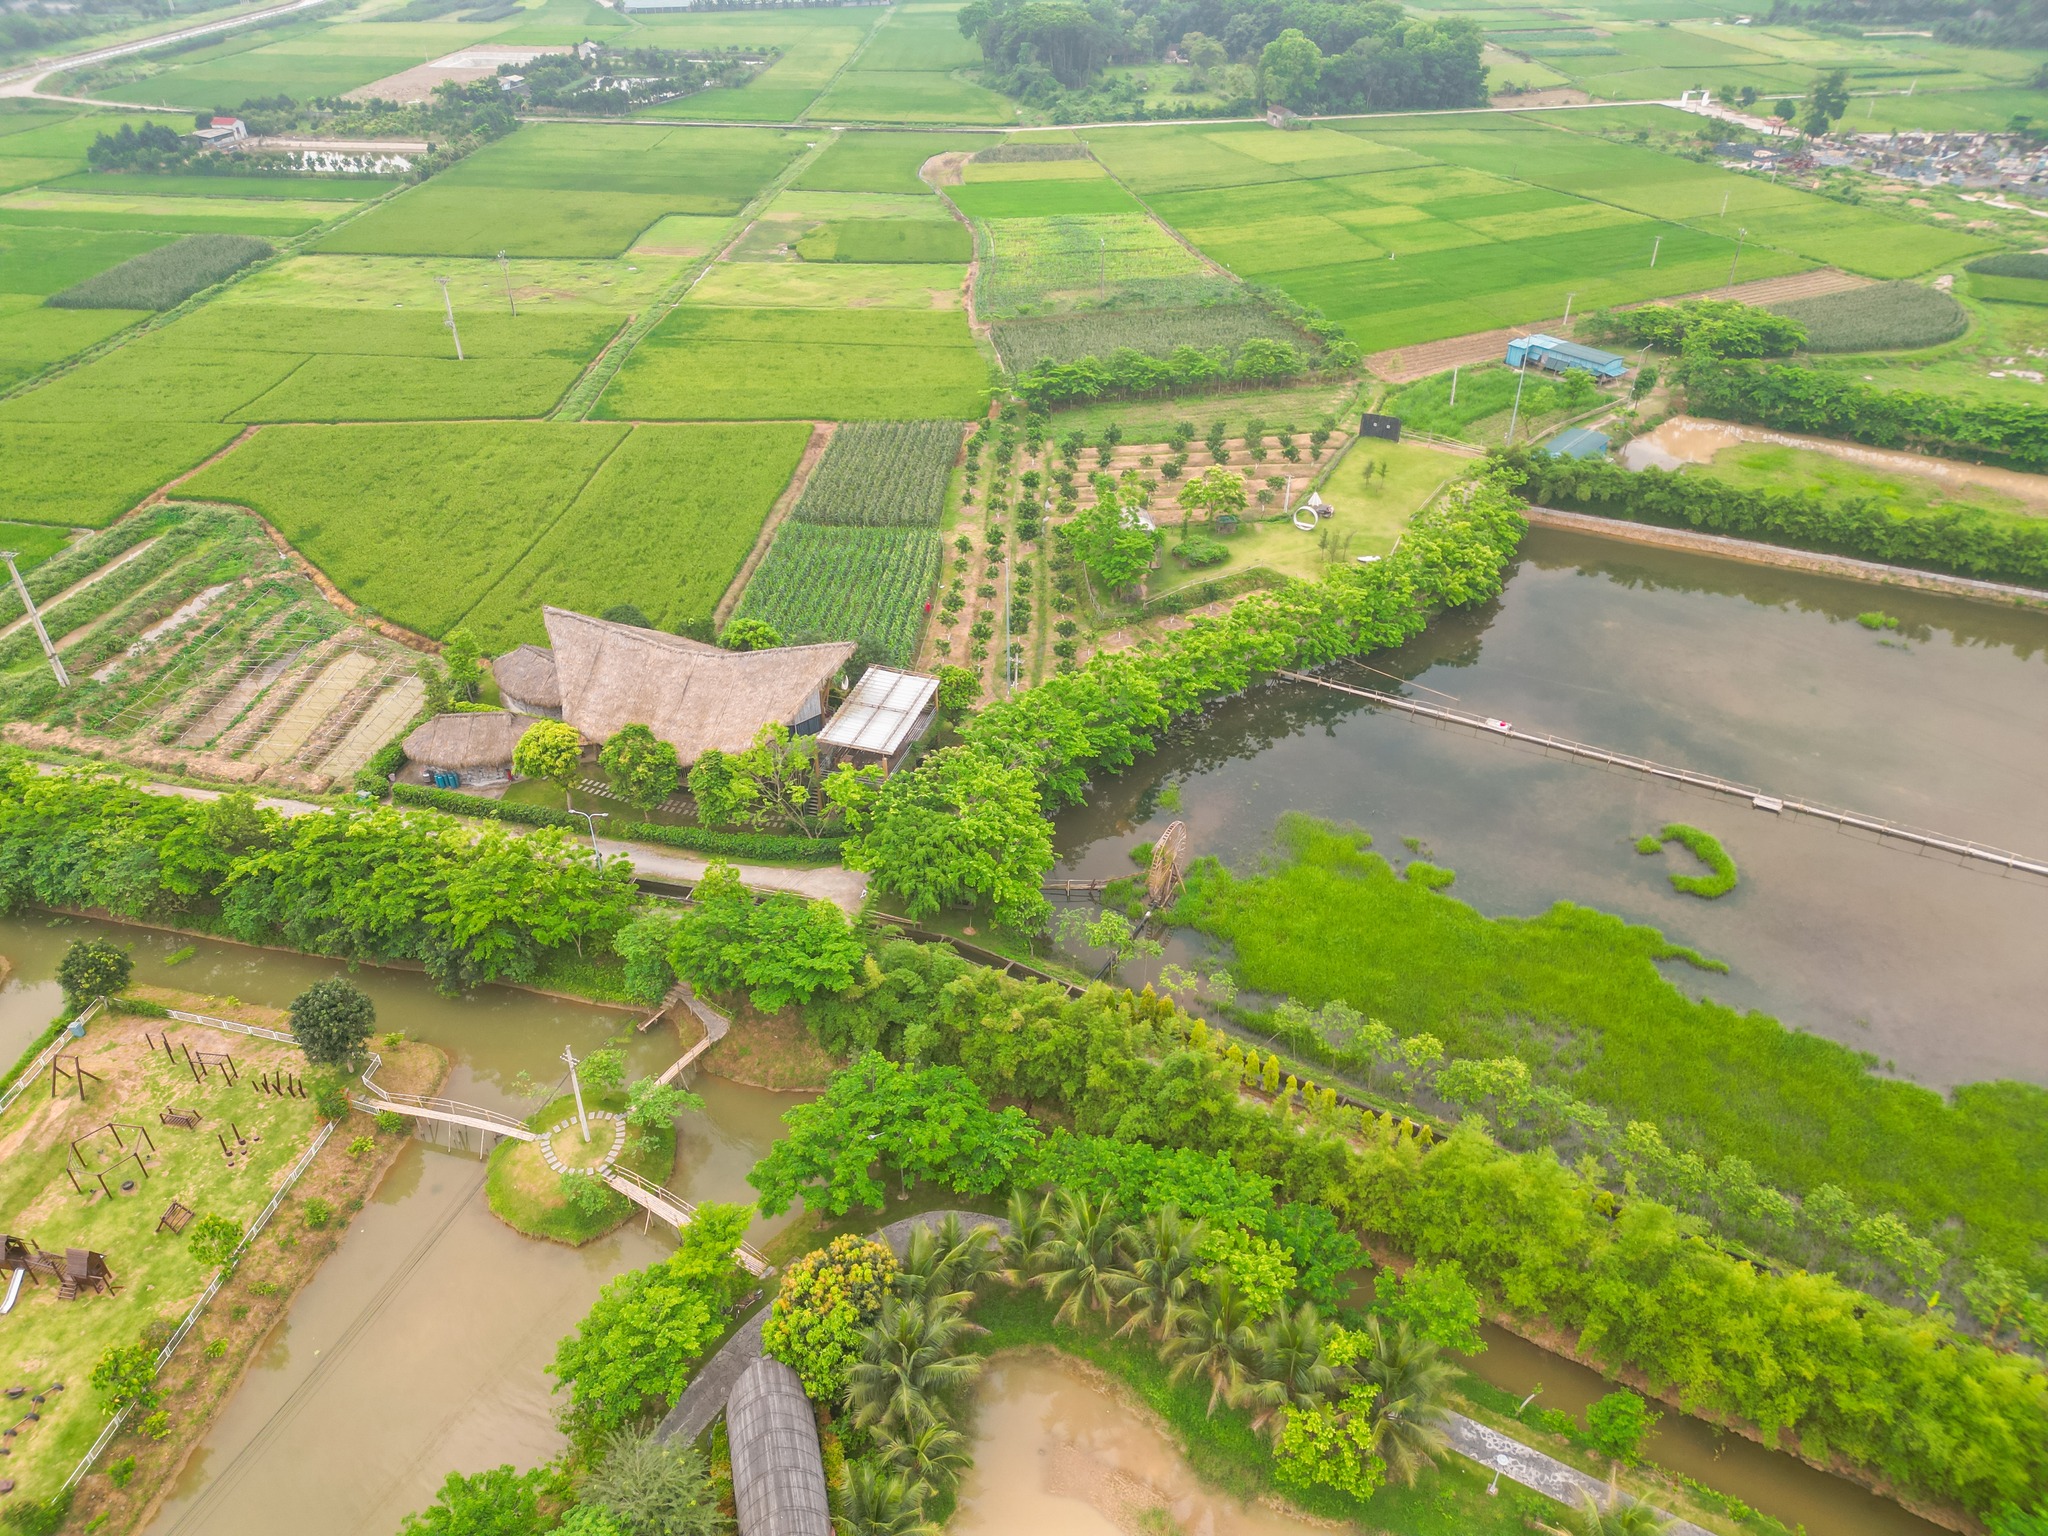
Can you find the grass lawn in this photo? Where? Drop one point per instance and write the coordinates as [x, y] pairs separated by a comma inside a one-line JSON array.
[[159, 1277], [1579, 995], [1768, 467], [526, 1194], [706, 362], [832, 285]]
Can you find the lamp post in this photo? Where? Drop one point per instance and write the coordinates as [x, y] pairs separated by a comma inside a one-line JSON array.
[[593, 817], [576, 1087]]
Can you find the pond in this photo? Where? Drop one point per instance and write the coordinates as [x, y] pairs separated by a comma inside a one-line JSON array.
[[1752, 673], [420, 1346]]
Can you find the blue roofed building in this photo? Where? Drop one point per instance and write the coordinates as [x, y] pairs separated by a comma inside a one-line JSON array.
[[1557, 356], [1577, 443]]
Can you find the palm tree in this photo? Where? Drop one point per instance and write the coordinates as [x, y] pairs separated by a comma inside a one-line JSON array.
[[1161, 1257], [945, 1260], [1617, 1517], [1293, 1370], [1080, 1261], [1415, 1383], [1216, 1342], [911, 1369], [876, 1500], [1031, 1223], [936, 1454]]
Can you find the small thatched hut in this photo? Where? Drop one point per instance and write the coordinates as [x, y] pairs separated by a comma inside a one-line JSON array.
[[473, 747], [692, 695], [778, 1475], [527, 683]]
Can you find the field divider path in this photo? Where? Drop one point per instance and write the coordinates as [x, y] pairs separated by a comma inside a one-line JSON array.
[[803, 117], [584, 394], [792, 493], [568, 506]]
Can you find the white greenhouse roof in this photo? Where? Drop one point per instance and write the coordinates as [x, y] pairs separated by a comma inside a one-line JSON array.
[[880, 713]]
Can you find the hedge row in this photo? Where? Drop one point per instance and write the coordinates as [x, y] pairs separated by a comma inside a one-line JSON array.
[[729, 845], [1835, 405], [1969, 541]]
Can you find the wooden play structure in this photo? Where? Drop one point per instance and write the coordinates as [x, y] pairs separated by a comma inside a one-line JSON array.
[[80, 1269], [79, 1162], [175, 1218], [71, 1069]]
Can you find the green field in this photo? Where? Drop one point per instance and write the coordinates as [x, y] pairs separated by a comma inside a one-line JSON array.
[[831, 285], [910, 72], [881, 162], [434, 526], [888, 240], [572, 189], [1770, 467], [63, 473], [815, 45], [709, 363]]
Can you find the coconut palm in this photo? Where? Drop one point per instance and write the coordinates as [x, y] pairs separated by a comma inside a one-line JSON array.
[[1615, 1516], [1031, 1223], [1292, 1369], [945, 1260], [911, 1369], [1079, 1264], [1160, 1257], [935, 1454], [1216, 1341], [1415, 1383], [877, 1500]]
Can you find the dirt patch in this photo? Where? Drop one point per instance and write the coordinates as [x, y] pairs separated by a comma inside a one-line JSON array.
[[769, 1051], [411, 86]]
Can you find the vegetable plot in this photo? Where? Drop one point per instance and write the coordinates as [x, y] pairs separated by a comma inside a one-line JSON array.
[[882, 475], [863, 584]]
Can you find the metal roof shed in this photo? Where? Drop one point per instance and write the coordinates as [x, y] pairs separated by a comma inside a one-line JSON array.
[[1577, 443], [778, 1474], [885, 713]]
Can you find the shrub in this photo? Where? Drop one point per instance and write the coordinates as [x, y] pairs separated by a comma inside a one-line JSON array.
[[318, 1213], [121, 1471], [733, 845], [330, 1098], [40, 1517], [828, 1297], [362, 1147], [1619, 1423], [1200, 550], [166, 276], [391, 1123], [125, 1375], [214, 1239]]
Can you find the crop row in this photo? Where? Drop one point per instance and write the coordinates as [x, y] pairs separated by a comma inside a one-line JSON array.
[[1028, 262], [166, 276], [868, 585], [1026, 343], [879, 474], [1882, 315]]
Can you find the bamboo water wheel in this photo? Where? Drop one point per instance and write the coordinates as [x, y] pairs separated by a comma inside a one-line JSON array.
[[1169, 865]]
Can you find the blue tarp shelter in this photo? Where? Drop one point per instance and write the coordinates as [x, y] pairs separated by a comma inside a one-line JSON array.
[[1558, 356]]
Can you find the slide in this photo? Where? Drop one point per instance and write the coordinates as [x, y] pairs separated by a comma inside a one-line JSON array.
[[13, 1290]]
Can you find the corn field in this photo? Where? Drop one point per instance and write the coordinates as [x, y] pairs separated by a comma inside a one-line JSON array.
[[864, 584], [882, 474]]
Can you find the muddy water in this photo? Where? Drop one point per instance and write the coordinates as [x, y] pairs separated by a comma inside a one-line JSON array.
[[1688, 440], [1754, 673], [1055, 1452], [419, 1347]]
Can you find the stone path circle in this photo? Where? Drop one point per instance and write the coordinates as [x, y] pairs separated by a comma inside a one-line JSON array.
[[618, 1126]]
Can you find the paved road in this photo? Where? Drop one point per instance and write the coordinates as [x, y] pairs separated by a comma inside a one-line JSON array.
[[22, 79]]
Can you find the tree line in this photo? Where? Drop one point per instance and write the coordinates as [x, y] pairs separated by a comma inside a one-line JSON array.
[[1970, 541]]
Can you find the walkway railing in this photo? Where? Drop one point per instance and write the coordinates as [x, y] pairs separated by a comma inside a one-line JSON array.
[[33, 1072], [1893, 831], [677, 1212]]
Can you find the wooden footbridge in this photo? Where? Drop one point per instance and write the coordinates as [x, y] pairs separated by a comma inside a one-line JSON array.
[[1885, 831], [715, 1026]]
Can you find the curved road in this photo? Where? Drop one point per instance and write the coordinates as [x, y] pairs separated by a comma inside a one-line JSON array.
[[23, 79]]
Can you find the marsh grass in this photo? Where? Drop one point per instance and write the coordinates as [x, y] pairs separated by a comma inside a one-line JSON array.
[[1705, 847]]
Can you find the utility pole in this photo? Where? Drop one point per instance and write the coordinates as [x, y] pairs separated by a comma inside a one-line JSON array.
[[1655, 243], [576, 1086], [1724, 205], [29, 604], [1567, 325], [449, 305], [505, 263], [1521, 378], [1454, 383], [1740, 236]]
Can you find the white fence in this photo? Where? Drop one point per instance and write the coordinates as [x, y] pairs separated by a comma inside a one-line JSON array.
[[33, 1072]]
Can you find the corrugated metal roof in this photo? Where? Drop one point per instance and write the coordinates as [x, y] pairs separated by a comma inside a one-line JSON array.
[[880, 713], [1577, 443], [1586, 354], [778, 1475]]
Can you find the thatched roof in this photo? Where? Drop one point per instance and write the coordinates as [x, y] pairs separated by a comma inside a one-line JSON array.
[[778, 1475], [691, 695], [469, 740], [528, 675]]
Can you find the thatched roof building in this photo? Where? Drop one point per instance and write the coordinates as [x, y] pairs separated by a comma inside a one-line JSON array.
[[778, 1475], [475, 747], [527, 682], [692, 695]]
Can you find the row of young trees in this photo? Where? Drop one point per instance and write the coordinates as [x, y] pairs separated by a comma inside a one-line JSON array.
[[1803, 1357], [470, 906], [1970, 541], [967, 825]]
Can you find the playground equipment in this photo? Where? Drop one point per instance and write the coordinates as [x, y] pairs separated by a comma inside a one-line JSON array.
[[71, 1069], [1315, 509], [80, 1269]]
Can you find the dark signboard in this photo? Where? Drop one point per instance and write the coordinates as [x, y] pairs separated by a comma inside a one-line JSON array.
[[1388, 427]]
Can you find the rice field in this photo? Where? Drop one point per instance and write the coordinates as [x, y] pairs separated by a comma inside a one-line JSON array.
[[709, 363], [62, 473], [1033, 265], [881, 162]]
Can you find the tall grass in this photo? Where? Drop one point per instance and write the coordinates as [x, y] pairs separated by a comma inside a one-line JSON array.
[[1881, 316], [166, 276], [1578, 995]]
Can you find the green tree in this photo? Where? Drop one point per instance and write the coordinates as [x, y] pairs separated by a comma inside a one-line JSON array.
[[500, 1502], [1290, 67], [913, 1370], [643, 769], [459, 654], [750, 635], [964, 829], [651, 1104], [1294, 1368], [1826, 100], [1203, 54], [958, 689], [93, 968], [332, 1020], [1619, 1423], [879, 1118], [1162, 1258], [1215, 491], [1438, 1303], [935, 1454], [632, 1353], [1330, 1444], [214, 1239], [603, 1070], [783, 949], [1619, 1515], [1260, 1271], [1414, 1384], [1111, 540], [1080, 1264], [654, 1487], [549, 750], [125, 1376], [828, 1300], [627, 613]]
